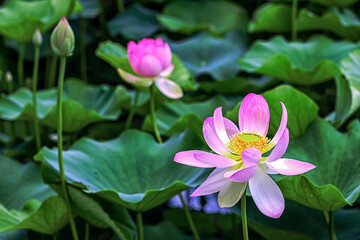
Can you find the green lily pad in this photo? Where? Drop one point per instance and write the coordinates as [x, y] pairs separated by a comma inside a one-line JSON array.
[[348, 89], [217, 17], [239, 85], [111, 52], [343, 23], [334, 183], [299, 222], [131, 170], [347, 101], [333, 3], [135, 23], [47, 217], [115, 55], [204, 54], [21, 182], [264, 20], [302, 111], [306, 63], [20, 19], [328, 3], [82, 105], [100, 213], [176, 116]]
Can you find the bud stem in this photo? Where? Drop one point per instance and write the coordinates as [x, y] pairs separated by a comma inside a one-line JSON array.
[[293, 20], [53, 65], [60, 147], [20, 65], [132, 110], [34, 88], [120, 5], [152, 112], [10, 87], [103, 19], [83, 49]]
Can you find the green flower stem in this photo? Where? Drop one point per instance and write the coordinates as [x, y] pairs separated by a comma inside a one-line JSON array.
[[83, 66], [140, 226], [47, 64], [189, 218], [103, 19], [34, 88], [71, 9], [20, 65], [52, 75], [152, 112], [120, 5], [10, 87], [132, 111], [87, 231], [332, 235], [243, 217], [293, 20], [60, 146], [326, 216]]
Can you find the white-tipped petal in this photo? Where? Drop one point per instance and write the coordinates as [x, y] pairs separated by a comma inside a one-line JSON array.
[[231, 193], [169, 88], [220, 125]]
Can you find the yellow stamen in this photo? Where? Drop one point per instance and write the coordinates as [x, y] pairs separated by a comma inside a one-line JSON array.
[[244, 140]]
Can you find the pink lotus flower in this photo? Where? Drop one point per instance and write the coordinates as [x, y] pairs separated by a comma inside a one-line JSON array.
[[151, 60], [239, 159]]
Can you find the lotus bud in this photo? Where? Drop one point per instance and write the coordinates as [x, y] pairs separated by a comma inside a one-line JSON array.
[[149, 57], [62, 39], [37, 38], [8, 77]]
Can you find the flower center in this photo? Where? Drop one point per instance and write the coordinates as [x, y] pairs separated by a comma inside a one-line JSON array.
[[244, 140]]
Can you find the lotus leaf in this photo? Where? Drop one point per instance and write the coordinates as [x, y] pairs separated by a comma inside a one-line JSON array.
[[308, 63], [217, 16], [204, 54], [131, 170], [20, 19], [334, 183], [135, 23], [82, 105]]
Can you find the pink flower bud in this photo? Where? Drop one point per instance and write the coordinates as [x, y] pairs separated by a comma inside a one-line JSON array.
[[149, 57], [63, 39]]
